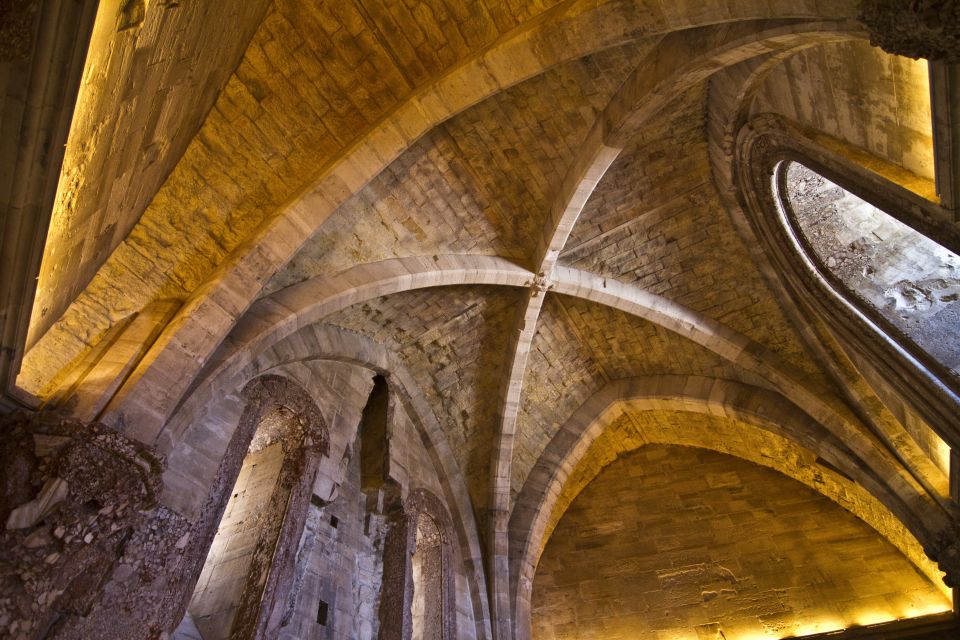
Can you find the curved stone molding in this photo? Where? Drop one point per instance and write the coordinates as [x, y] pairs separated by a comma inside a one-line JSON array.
[[730, 96], [345, 346], [205, 319], [272, 566], [396, 622], [681, 60], [531, 517], [212, 398], [762, 145]]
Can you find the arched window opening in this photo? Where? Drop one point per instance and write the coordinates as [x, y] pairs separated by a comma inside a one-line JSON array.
[[373, 438], [236, 571], [427, 568], [887, 269]]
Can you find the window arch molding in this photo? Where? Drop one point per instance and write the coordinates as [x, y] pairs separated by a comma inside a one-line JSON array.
[[260, 607], [396, 619], [764, 145]]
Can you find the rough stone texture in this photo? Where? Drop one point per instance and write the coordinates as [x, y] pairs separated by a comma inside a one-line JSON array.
[[44, 47], [580, 346], [656, 221], [912, 282], [427, 567], [331, 94], [453, 342], [631, 428], [340, 560], [269, 577], [245, 561], [340, 564], [876, 102], [706, 542], [220, 586], [561, 373], [318, 69], [16, 34], [479, 183], [149, 81], [402, 568], [94, 556], [925, 29]]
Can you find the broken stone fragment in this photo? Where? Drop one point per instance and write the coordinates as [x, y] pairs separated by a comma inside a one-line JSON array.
[[27, 515], [182, 542], [38, 538]]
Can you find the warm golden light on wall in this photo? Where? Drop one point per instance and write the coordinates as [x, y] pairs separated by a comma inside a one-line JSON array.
[[942, 456], [874, 616], [916, 114], [65, 229]]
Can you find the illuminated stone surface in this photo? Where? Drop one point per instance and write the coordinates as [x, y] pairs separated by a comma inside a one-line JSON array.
[[537, 222], [675, 541]]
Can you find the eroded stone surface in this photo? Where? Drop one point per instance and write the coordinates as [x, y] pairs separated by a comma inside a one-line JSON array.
[[453, 342], [471, 165], [877, 102], [97, 557], [925, 29]]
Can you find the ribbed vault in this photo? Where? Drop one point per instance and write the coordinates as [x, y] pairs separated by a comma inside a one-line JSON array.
[[530, 220]]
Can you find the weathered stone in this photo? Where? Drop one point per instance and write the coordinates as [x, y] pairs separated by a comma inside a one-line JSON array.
[[916, 29]]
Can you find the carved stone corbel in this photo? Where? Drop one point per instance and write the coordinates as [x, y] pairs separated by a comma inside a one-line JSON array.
[[914, 28], [946, 553]]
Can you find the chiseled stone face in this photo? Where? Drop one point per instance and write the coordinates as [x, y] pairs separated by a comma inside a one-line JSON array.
[[678, 542]]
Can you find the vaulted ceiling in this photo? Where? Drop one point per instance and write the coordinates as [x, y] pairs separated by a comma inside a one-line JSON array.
[[518, 201]]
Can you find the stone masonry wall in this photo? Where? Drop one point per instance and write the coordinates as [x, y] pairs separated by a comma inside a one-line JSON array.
[[339, 560], [684, 543]]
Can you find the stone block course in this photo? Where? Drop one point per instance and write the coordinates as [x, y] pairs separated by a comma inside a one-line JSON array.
[[750, 582]]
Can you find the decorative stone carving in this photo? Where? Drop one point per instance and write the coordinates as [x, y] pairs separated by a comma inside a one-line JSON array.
[[914, 28], [541, 284], [946, 553]]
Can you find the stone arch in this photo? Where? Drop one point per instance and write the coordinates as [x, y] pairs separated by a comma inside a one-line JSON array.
[[731, 93], [759, 408], [530, 50], [765, 142], [213, 396], [271, 567], [650, 523], [396, 618]]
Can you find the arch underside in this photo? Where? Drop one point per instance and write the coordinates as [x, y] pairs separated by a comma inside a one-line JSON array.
[[697, 556]]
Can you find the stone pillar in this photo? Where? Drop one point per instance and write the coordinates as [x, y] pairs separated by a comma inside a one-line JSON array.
[[86, 549], [914, 28]]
